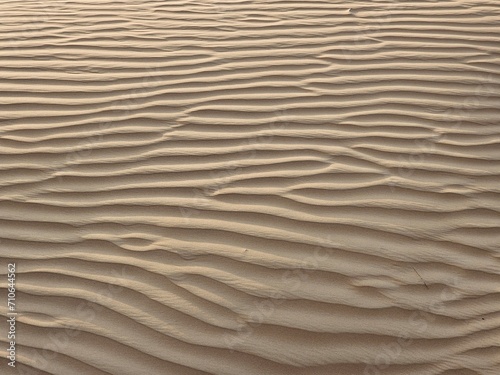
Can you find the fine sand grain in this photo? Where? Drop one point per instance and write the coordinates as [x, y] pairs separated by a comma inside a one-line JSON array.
[[254, 187]]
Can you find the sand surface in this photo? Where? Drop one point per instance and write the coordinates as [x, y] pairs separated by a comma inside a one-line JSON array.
[[251, 187]]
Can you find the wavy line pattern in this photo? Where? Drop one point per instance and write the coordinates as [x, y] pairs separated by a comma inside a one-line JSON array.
[[252, 187]]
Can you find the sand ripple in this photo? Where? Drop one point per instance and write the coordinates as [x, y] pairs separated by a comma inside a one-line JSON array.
[[252, 187]]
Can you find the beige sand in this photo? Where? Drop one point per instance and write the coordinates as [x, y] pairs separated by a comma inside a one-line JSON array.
[[251, 187]]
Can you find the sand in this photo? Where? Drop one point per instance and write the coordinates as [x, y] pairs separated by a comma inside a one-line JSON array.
[[251, 187]]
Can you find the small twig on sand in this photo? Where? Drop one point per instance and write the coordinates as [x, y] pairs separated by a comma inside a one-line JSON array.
[[427, 286]]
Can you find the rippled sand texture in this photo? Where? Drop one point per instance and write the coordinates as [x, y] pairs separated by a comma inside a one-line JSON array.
[[252, 187]]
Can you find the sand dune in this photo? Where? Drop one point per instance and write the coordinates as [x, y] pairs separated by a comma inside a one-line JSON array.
[[251, 187]]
